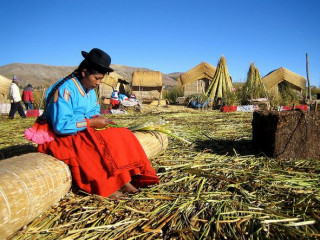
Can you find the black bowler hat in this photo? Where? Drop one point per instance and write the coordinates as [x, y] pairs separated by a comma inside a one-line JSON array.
[[99, 57]]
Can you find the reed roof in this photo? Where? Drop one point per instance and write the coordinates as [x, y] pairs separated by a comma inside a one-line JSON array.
[[275, 77], [112, 79], [147, 78], [201, 71], [4, 85]]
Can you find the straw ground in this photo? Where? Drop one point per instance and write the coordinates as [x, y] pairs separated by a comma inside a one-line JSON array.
[[216, 188]]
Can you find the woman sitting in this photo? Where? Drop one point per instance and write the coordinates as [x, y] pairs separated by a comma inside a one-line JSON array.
[[101, 161]]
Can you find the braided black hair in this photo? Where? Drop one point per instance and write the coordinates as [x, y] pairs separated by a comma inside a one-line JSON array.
[[54, 89], [91, 68]]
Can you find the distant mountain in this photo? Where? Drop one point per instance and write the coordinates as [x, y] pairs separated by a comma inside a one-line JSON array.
[[174, 75], [44, 75]]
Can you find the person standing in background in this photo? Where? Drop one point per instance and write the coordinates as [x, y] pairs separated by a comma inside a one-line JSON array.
[[27, 97], [15, 99]]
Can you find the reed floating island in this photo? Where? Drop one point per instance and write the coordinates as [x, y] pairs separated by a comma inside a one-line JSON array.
[[216, 188]]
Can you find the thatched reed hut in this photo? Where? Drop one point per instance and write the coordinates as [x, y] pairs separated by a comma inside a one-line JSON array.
[[274, 79], [111, 81], [4, 89], [197, 79], [147, 85]]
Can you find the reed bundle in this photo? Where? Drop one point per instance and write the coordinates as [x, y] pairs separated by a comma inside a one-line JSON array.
[[29, 186], [254, 87], [220, 86], [217, 188]]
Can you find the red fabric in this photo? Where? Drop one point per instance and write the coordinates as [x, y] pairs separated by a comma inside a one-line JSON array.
[[114, 102], [229, 108], [27, 96], [103, 161], [232, 108], [33, 113], [286, 108], [301, 107]]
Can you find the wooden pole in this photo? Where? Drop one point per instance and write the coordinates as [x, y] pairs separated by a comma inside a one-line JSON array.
[[308, 79], [160, 96]]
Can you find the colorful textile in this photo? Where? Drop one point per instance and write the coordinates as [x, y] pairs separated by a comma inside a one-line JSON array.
[[123, 97], [247, 108], [229, 108], [115, 94], [101, 162], [40, 132], [71, 107], [288, 108], [33, 113], [114, 103]]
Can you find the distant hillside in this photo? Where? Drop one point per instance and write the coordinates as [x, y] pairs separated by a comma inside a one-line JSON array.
[[43, 75]]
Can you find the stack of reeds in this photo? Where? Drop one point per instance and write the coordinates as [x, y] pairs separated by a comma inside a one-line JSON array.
[[254, 87], [153, 142], [221, 85], [29, 184]]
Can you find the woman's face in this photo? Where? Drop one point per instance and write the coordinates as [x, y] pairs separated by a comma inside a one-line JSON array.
[[91, 81]]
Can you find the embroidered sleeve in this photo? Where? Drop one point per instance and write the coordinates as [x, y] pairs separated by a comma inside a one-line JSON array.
[[94, 105], [82, 124]]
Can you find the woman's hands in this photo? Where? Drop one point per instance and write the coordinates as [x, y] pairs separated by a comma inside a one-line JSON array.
[[98, 122]]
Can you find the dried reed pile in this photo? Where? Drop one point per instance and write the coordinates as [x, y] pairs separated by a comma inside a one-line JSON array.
[[254, 87], [221, 84], [217, 188]]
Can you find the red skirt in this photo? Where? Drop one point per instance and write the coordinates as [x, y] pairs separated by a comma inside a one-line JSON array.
[[101, 162]]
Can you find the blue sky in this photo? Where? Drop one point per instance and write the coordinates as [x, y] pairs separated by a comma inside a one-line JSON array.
[[165, 35]]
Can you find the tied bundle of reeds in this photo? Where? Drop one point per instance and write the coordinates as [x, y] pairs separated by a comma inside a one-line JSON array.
[[254, 87], [152, 142], [221, 85], [29, 185], [158, 126]]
